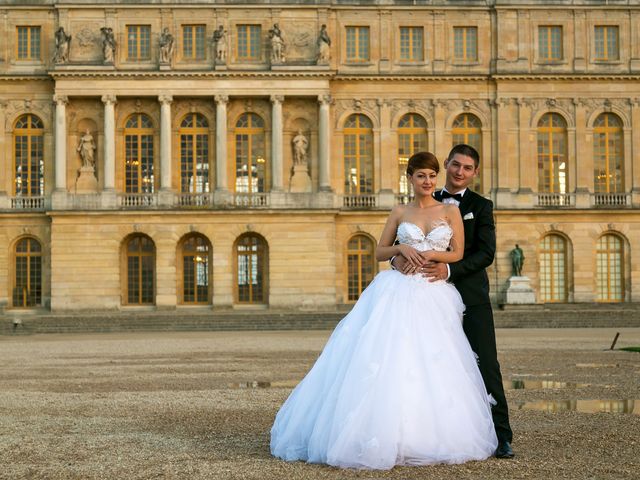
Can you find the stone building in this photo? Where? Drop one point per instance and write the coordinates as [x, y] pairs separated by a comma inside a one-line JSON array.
[[147, 156]]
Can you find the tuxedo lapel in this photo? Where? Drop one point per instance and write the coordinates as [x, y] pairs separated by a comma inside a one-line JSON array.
[[466, 203]]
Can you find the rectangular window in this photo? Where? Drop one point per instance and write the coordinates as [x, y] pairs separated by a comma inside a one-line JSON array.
[[249, 42], [193, 40], [357, 44], [550, 42], [138, 42], [411, 44], [606, 43], [465, 44], [28, 43]]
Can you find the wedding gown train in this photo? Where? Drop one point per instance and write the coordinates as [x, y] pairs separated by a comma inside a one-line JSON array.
[[396, 384]]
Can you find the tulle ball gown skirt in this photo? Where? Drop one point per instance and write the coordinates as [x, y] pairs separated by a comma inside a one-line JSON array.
[[396, 384]]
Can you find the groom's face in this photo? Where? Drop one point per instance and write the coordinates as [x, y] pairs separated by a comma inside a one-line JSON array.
[[461, 170]]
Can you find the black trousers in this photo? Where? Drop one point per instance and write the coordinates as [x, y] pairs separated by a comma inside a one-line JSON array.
[[479, 329]]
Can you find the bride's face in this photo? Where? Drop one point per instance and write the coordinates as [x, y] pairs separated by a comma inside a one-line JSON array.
[[423, 181]]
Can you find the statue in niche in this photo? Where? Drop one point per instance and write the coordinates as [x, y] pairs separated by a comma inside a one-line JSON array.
[[300, 146], [277, 44], [324, 46], [220, 42], [517, 261], [166, 46], [63, 42], [108, 45], [86, 148]]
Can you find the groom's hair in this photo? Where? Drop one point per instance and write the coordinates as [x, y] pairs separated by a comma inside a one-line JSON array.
[[467, 151], [422, 160]]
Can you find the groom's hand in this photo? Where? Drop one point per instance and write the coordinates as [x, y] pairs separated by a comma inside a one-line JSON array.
[[434, 271]]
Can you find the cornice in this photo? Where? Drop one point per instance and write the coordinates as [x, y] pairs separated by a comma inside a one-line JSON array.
[[568, 77], [23, 78], [413, 78], [188, 74]]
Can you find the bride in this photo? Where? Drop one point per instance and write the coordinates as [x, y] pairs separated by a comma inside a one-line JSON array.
[[397, 382]]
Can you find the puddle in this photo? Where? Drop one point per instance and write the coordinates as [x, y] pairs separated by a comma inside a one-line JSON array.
[[583, 406], [259, 384], [519, 384]]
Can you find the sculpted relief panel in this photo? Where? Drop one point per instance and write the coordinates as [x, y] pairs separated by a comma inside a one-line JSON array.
[[86, 45], [301, 37]]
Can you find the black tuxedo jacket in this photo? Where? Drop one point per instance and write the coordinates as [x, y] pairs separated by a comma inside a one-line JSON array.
[[469, 274]]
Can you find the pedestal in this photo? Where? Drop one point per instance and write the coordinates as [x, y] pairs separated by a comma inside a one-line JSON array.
[[87, 182], [300, 180], [519, 291]]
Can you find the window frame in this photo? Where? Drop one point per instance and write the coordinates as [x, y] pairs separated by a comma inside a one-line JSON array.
[[30, 57], [138, 42], [411, 47], [465, 59], [248, 37], [357, 48], [196, 28], [547, 57], [606, 58]]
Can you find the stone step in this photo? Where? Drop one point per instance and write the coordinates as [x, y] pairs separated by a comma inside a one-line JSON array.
[[210, 320]]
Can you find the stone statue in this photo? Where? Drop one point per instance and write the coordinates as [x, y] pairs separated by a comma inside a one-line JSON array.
[[108, 44], [300, 146], [324, 46], [86, 147], [62, 46], [517, 261], [220, 41], [277, 44], [166, 46]]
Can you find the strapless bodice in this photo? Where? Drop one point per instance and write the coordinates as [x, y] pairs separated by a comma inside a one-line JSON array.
[[437, 239]]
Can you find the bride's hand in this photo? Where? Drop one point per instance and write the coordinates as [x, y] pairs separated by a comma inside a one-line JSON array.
[[412, 255], [426, 256]]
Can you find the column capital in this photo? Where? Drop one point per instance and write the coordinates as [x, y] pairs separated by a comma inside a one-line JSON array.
[[224, 99], [108, 99], [324, 99], [277, 98], [60, 99], [164, 99]]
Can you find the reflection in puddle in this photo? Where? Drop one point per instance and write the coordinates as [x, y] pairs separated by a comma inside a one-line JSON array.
[[540, 384], [584, 406]]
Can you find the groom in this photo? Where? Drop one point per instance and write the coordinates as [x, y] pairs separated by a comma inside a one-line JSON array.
[[470, 278]]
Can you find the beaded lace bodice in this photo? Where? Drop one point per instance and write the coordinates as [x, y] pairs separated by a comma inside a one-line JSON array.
[[437, 239]]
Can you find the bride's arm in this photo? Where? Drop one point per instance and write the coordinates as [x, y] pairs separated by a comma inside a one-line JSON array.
[[386, 248], [456, 246]]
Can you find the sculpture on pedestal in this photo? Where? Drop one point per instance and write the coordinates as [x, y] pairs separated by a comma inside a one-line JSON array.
[[108, 45], [166, 46], [86, 149], [517, 261], [300, 146], [277, 45], [220, 41], [62, 46], [324, 47]]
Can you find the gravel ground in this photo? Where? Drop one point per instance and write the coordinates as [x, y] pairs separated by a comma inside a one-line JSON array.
[[200, 405]]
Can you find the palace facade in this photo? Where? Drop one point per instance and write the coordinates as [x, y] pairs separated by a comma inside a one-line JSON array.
[[246, 155]]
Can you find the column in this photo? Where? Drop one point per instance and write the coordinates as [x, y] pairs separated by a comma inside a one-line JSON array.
[[165, 141], [323, 144], [61, 142], [276, 142], [109, 141], [221, 142]]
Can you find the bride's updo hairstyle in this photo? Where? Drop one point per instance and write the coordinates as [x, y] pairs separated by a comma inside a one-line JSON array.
[[422, 160]]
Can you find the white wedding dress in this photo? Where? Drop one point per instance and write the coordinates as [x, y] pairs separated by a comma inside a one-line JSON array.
[[396, 384]]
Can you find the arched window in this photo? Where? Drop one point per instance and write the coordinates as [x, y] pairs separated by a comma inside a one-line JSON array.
[[553, 269], [138, 156], [609, 269], [608, 154], [140, 266], [412, 138], [358, 155], [196, 265], [251, 164], [28, 155], [467, 128], [360, 265], [252, 267], [27, 287], [552, 154], [194, 154]]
